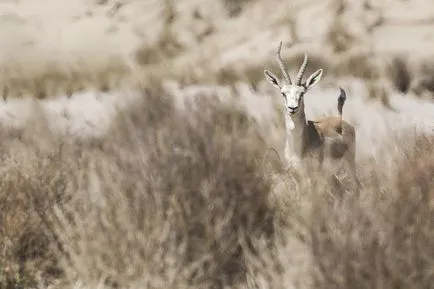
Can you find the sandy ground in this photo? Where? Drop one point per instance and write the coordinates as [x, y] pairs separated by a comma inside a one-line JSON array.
[[59, 28]]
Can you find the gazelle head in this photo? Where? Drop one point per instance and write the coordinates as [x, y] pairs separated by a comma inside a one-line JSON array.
[[292, 93]]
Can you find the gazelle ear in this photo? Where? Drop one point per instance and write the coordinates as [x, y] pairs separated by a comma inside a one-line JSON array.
[[271, 78], [313, 78]]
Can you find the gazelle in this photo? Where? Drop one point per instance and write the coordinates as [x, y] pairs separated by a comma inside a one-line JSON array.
[[329, 142]]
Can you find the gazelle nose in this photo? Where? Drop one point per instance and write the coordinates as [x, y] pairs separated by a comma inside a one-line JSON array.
[[292, 109]]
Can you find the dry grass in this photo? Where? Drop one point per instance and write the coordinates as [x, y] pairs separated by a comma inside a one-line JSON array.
[[171, 199], [382, 238], [31, 181], [400, 74], [59, 78], [188, 199], [188, 208], [424, 79]]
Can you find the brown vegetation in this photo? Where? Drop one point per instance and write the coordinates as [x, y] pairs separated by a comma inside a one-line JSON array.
[[188, 199], [58, 78], [234, 7], [384, 238], [171, 199]]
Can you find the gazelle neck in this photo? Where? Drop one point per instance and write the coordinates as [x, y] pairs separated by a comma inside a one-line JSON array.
[[296, 127]]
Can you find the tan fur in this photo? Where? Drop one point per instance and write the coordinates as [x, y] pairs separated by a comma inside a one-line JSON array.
[[333, 126], [330, 144]]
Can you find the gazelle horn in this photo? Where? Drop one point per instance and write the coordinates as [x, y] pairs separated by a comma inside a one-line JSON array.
[[302, 70], [282, 65]]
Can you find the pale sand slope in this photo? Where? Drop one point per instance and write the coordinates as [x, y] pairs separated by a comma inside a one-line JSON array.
[[61, 28]]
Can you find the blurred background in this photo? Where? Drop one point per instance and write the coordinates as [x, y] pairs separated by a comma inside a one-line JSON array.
[[198, 40]]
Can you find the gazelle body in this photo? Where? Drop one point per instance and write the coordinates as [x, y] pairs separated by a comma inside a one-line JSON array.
[[328, 143]]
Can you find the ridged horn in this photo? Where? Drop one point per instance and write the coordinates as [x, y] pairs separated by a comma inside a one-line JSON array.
[[302, 70], [282, 65]]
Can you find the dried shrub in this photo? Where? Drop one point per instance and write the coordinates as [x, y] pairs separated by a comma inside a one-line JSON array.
[[55, 79], [207, 31], [384, 236], [176, 198], [359, 64], [235, 7], [20, 231], [400, 75], [338, 37], [378, 91], [424, 83], [30, 183], [166, 47], [167, 44], [227, 76]]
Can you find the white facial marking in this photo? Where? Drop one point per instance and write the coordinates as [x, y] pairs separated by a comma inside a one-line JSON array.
[[293, 95]]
